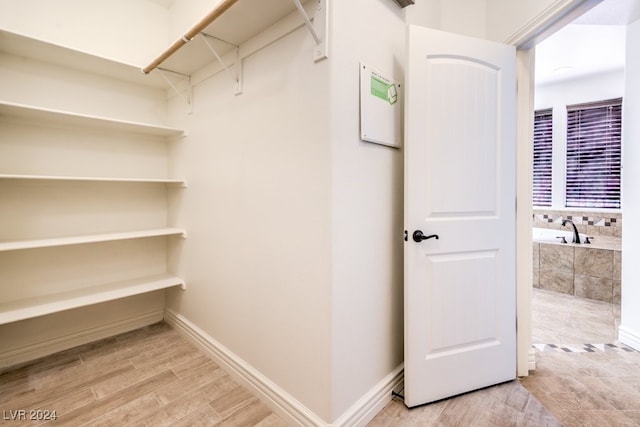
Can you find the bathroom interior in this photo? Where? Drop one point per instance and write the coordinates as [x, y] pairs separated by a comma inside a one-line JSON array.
[[577, 286]]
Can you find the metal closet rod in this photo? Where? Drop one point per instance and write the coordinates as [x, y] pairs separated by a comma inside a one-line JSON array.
[[190, 34]]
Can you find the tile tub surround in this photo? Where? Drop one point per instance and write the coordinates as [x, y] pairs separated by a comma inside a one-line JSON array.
[[593, 223], [585, 271]]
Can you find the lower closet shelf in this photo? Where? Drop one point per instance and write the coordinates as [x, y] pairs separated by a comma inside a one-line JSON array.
[[14, 311]]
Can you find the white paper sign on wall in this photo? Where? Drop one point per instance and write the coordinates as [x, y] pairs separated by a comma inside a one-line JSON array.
[[380, 108]]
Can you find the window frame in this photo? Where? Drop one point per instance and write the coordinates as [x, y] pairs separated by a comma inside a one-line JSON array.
[[594, 155], [543, 158]]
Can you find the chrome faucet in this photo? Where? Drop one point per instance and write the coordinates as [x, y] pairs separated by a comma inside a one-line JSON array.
[[576, 235]]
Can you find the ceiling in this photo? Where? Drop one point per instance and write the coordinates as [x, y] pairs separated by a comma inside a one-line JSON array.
[[593, 43]]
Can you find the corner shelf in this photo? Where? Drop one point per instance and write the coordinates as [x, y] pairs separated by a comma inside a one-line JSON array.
[[91, 238], [169, 182], [14, 311], [29, 112]]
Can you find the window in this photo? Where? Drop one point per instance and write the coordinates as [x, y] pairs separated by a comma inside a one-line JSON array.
[[594, 150], [542, 157]]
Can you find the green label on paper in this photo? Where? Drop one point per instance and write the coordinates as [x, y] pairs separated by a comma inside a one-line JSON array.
[[383, 89]]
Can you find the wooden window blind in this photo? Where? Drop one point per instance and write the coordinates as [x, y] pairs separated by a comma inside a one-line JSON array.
[[594, 154], [542, 157]]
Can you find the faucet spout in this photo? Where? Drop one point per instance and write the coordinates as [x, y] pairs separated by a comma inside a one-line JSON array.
[[576, 235]]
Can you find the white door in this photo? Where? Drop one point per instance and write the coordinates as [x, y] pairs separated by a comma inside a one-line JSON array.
[[460, 170]]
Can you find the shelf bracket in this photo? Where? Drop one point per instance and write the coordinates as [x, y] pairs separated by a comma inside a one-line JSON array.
[[318, 28], [237, 76], [188, 98]]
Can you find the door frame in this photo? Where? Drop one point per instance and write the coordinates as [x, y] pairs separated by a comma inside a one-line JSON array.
[[558, 15]]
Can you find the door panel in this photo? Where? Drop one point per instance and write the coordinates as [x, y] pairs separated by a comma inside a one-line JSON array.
[[452, 282], [459, 184], [459, 88]]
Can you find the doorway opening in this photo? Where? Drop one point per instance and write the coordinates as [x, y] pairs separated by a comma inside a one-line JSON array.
[[576, 295]]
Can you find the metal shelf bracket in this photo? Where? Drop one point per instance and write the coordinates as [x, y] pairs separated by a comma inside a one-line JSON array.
[[188, 97], [235, 75], [318, 27]]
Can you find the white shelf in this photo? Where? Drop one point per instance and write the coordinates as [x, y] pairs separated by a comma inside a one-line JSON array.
[[33, 307], [37, 114], [34, 302], [39, 50], [93, 238], [241, 22], [170, 182]]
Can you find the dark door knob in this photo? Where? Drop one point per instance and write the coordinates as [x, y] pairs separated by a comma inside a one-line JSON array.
[[418, 236]]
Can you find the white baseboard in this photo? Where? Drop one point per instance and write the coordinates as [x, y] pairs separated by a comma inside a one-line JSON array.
[[286, 406], [628, 337], [30, 352], [365, 409], [532, 359]]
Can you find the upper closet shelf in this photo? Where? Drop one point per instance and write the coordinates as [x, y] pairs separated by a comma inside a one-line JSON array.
[[232, 23], [40, 50], [40, 115]]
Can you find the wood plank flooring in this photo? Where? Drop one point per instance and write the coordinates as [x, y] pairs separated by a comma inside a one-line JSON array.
[[148, 377], [154, 377]]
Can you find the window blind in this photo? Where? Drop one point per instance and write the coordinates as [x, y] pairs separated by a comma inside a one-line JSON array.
[[542, 157], [594, 153]]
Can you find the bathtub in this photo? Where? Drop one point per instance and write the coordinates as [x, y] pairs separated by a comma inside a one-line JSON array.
[[590, 271], [548, 235]]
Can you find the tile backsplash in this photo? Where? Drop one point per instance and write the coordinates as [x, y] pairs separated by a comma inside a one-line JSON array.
[[591, 223]]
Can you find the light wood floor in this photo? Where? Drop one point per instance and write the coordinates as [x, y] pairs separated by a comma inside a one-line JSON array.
[[151, 376], [154, 377]]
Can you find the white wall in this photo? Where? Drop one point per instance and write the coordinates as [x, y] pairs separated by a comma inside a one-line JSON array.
[[257, 259], [464, 17], [580, 90], [567, 92], [457, 16], [184, 13], [128, 31], [630, 324], [507, 19], [425, 13], [367, 201]]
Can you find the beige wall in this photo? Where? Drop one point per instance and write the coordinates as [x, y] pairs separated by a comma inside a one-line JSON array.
[[123, 30], [506, 18], [258, 212], [367, 207], [457, 16]]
